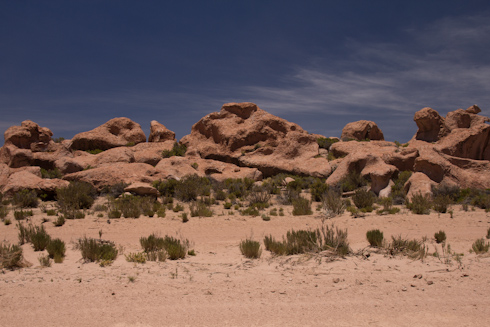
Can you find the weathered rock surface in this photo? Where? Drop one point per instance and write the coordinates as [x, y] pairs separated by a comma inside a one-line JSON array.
[[151, 153], [178, 167], [431, 125], [160, 133], [418, 183], [25, 179], [114, 133], [28, 134], [113, 173], [244, 134], [362, 130], [144, 189]]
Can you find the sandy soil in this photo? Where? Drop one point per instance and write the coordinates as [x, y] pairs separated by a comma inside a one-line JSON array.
[[219, 287]]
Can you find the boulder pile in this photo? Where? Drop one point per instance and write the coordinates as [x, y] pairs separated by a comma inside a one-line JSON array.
[[244, 141]]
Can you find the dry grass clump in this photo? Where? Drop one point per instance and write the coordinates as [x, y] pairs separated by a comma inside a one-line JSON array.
[[332, 204], [420, 204], [74, 197], [131, 206], [250, 249], [56, 250], [25, 199], [11, 256], [200, 209], [412, 248], [159, 248], [375, 237], [479, 246], [94, 250], [364, 200], [301, 207], [303, 241]]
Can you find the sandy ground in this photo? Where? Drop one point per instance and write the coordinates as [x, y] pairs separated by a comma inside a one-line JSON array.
[[220, 287]]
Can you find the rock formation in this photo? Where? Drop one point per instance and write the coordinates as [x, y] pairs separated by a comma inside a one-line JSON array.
[[362, 130], [160, 133]]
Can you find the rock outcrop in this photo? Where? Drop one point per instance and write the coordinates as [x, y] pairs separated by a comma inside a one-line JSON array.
[[362, 130], [431, 125], [114, 133], [160, 133], [244, 134], [28, 135]]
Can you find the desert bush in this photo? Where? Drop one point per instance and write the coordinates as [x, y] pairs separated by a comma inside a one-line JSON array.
[[397, 192], [481, 200], [440, 203], [166, 188], [259, 197], [265, 217], [51, 212], [318, 189], [452, 192], [185, 218], [364, 199], [152, 243], [276, 247], [39, 238], [250, 211], [50, 174], [420, 204], [289, 195], [332, 204], [11, 256], [132, 206], [176, 248], [375, 237], [412, 248], [200, 209], [273, 212], [250, 249], [440, 236], [76, 196], [326, 142], [177, 150], [352, 181], [139, 257], [227, 205], [56, 250], [60, 221], [301, 207], [44, 261], [488, 233], [334, 239], [7, 221], [479, 246], [22, 214], [238, 187], [25, 233], [114, 190], [97, 250], [191, 186], [25, 199]]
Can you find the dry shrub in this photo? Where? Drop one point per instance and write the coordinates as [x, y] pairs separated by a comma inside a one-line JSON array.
[[375, 237], [332, 204], [301, 207], [250, 249], [11, 256]]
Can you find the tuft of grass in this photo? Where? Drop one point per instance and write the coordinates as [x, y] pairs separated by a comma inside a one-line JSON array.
[[138, 257], [332, 204], [364, 199], [440, 203], [200, 209], [265, 217], [375, 237], [488, 233], [39, 238], [56, 250], [301, 207], [184, 217], [174, 248], [440, 236], [326, 142], [44, 261], [7, 222], [250, 249], [479, 246], [412, 248], [60, 221], [74, 197], [94, 250], [22, 214]]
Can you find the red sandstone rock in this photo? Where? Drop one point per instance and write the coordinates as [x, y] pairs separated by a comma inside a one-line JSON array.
[[430, 124], [25, 179], [116, 132], [243, 134], [141, 189], [361, 130], [26, 134], [160, 133]]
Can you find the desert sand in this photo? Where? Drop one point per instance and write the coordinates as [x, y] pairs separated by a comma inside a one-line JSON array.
[[220, 287]]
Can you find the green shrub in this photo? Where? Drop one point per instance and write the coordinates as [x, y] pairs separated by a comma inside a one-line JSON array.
[[95, 151], [325, 143], [115, 190], [58, 139], [250, 249], [7, 221], [11, 256], [301, 207], [452, 192], [440, 203], [56, 250], [227, 205], [289, 195], [192, 186], [176, 249], [177, 150], [250, 211], [76, 196], [40, 239], [273, 212], [4, 211], [375, 237], [51, 212], [318, 189], [412, 248], [25, 199], [239, 187], [352, 181], [364, 199], [50, 174], [22, 214], [166, 188], [184, 217], [114, 214], [60, 221], [481, 200], [131, 206], [265, 217], [25, 233], [479, 246], [259, 197], [420, 204], [332, 204], [440, 236], [151, 243], [97, 250]]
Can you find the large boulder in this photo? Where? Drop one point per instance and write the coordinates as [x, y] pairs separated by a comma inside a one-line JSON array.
[[160, 133], [244, 134], [361, 130], [28, 134], [178, 167], [114, 133], [151, 153], [418, 183], [431, 125], [112, 173], [25, 179], [471, 143], [144, 189]]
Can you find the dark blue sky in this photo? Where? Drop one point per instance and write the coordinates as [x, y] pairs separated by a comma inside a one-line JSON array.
[[72, 65]]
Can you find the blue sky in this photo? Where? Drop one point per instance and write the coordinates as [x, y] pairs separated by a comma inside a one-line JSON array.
[[72, 65]]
